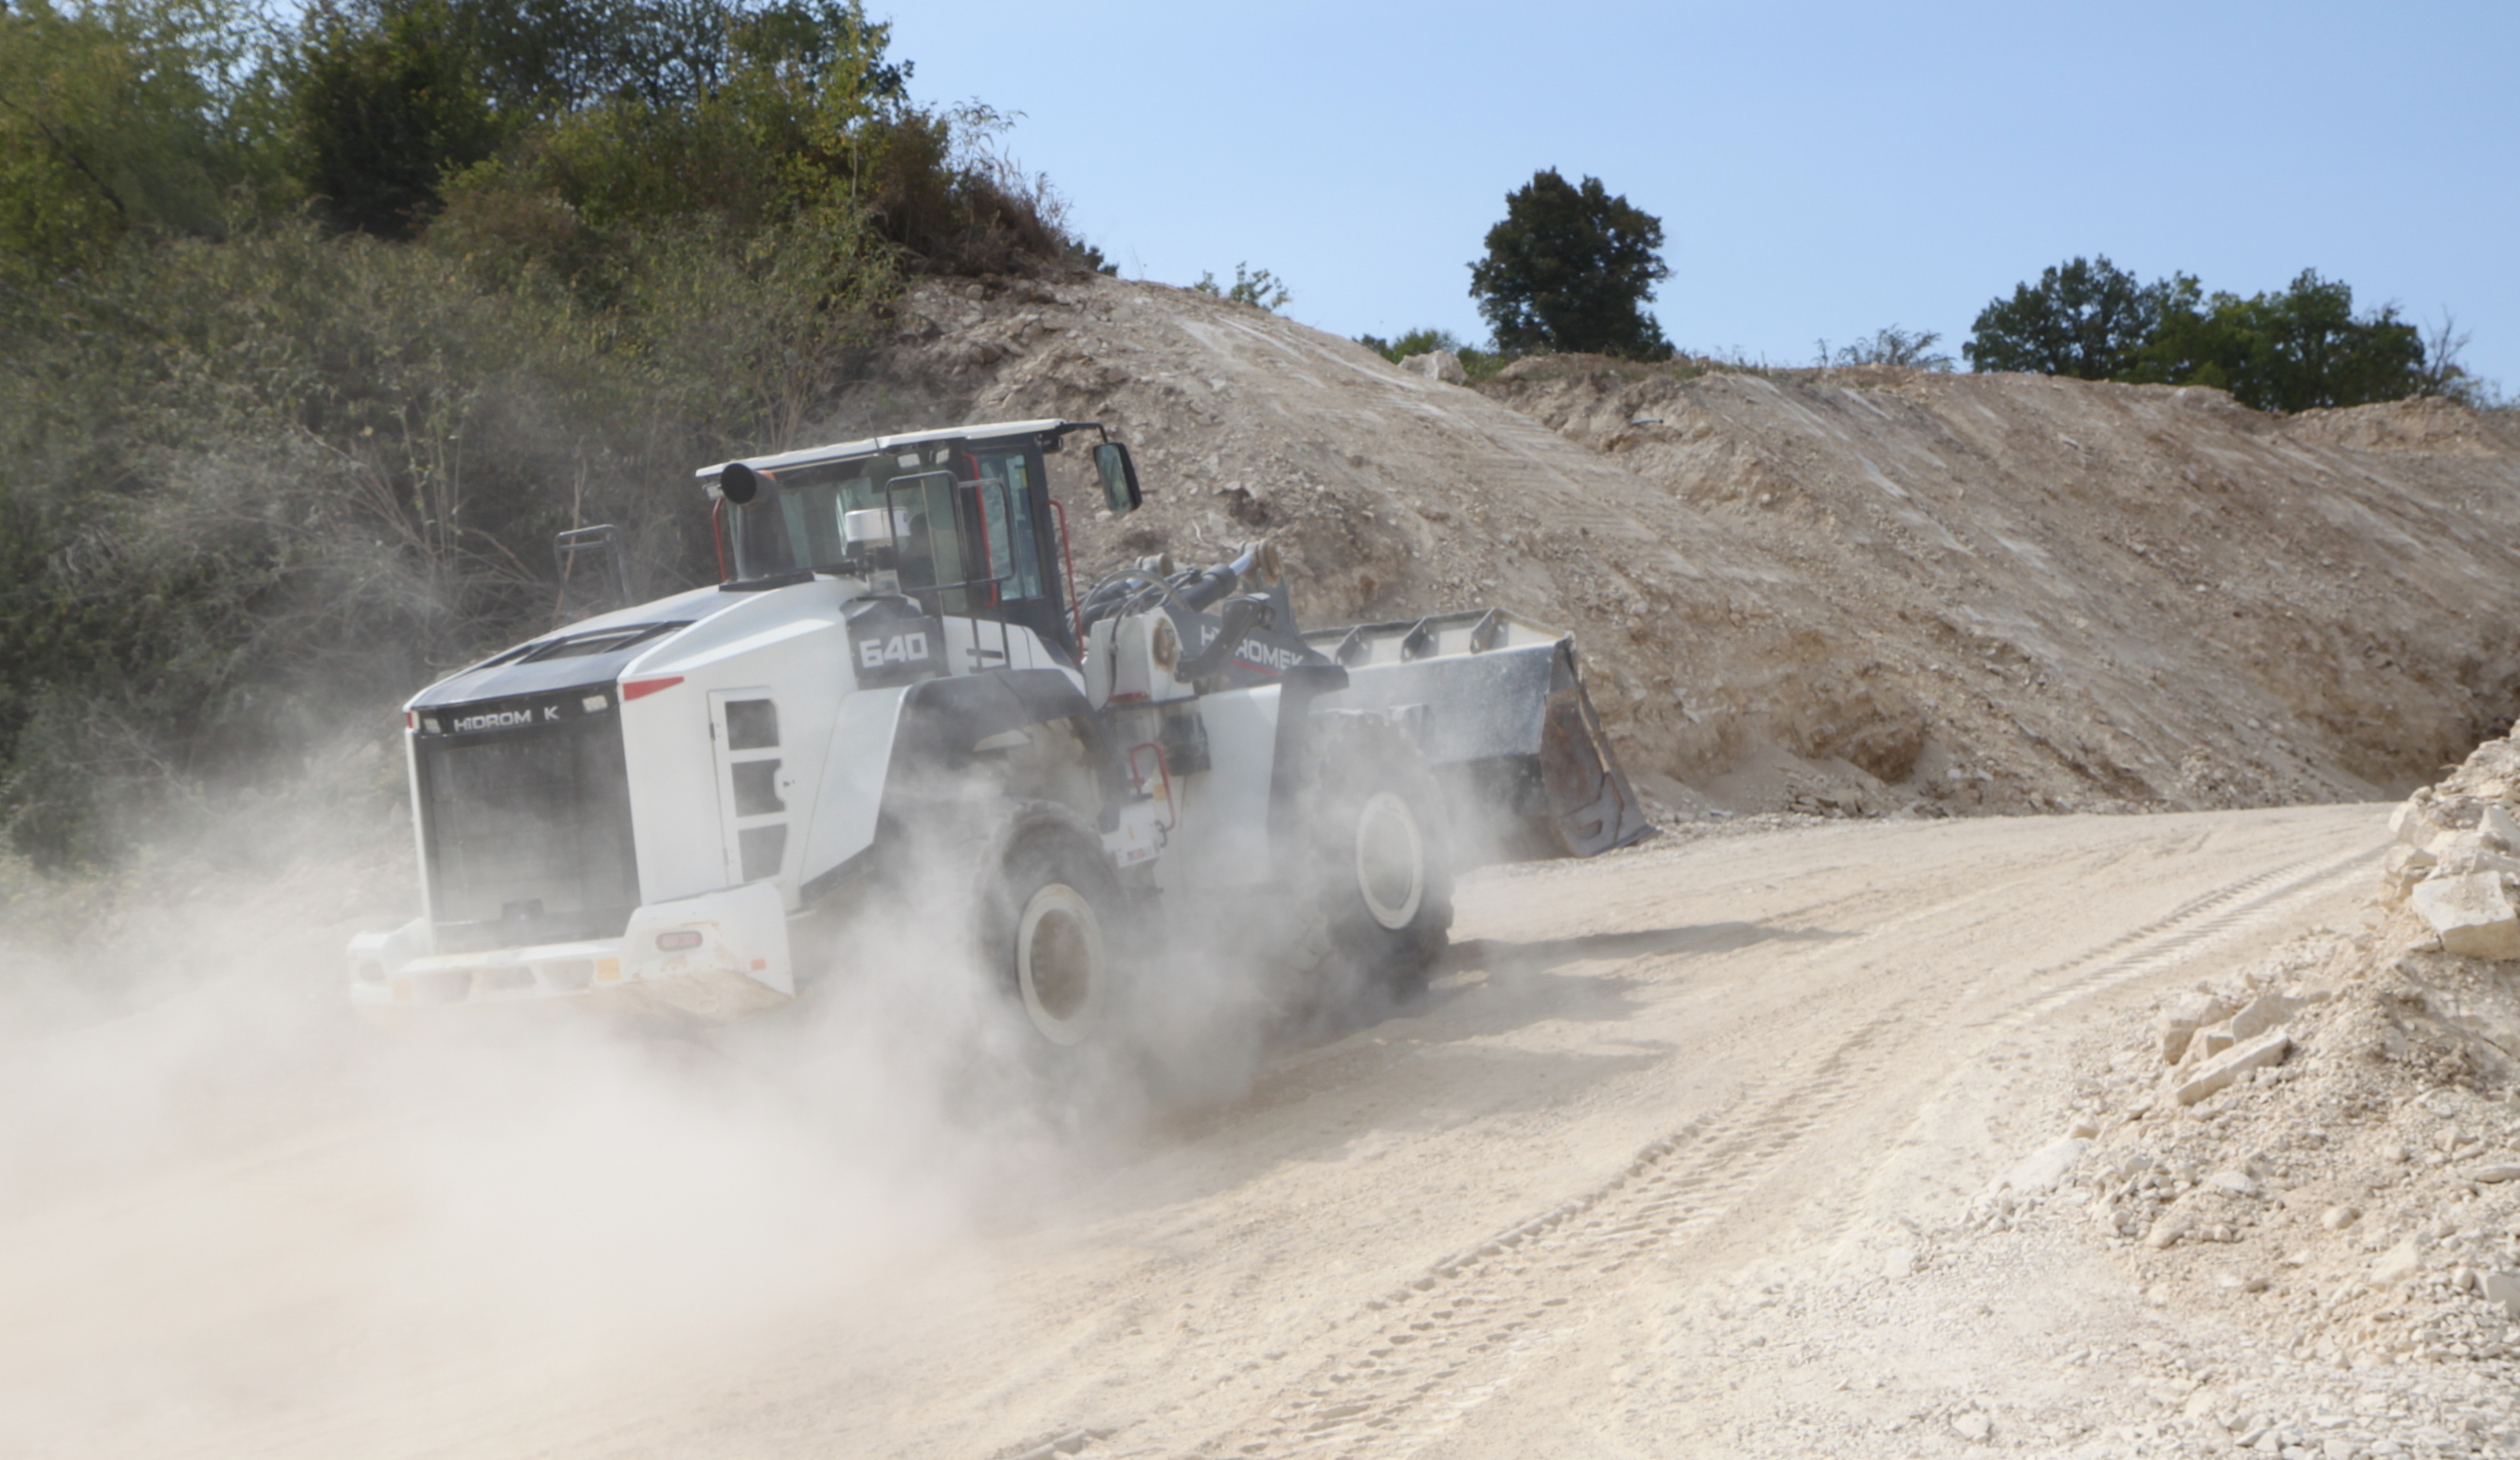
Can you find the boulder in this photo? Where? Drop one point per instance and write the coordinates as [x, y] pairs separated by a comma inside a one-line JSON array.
[[1438, 365], [2217, 1073], [2471, 913]]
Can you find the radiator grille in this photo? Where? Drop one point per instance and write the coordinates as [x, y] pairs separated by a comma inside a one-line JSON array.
[[528, 832]]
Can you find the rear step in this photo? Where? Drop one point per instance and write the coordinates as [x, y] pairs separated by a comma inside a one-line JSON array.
[[1499, 709]]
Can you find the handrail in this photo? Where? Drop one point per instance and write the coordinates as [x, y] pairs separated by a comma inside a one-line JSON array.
[[1067, 555]]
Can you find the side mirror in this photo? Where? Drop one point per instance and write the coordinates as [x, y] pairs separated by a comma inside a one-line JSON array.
[[1120, 477]]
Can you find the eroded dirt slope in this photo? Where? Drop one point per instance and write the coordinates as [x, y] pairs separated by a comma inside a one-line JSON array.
[[1847, 591], [2183, 600]]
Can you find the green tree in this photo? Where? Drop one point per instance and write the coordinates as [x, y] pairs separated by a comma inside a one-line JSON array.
[[390, 98], [2290, 351], [122, 116], [1569, 269], [2294, 350], [2085, 318], [652, 108]]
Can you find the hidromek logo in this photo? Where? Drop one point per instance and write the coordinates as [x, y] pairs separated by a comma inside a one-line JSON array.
[[504, 719], [1275, 659]]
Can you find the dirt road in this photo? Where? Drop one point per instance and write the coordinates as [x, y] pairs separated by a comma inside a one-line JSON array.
[[1673, 1161]]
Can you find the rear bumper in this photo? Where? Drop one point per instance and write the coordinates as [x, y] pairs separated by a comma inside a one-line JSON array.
[[719, 956]]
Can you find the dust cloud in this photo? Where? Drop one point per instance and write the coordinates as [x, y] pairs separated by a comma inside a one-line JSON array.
[[240, 1219]]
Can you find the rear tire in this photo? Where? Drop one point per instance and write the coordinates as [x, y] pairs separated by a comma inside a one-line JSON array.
[[1382, 852], [1052, 927]]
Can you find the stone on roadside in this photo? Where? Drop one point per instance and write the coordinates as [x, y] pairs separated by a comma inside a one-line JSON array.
[[2041, 1168], [2498, 828], [2238, 1183], [2409, 823], [2405, 866], [2182, 1017], [1974, 1427], [2489, 1176], [2504, 1288], [2265, 1012], [2398, 1263], [2217, 1073], [2338, 1218], [2472, 915], [2464, 853]]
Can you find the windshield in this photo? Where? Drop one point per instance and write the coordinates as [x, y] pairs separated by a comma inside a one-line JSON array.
[[795, 525], [960, 518]]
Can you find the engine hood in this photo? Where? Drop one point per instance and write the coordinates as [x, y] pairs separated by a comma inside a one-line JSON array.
[[590, 652]]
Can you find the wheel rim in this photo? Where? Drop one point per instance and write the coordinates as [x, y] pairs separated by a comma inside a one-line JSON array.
[[1058, 961], [1390, 861]]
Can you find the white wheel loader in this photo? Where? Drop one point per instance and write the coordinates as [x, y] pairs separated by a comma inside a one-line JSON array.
[[683, 806]]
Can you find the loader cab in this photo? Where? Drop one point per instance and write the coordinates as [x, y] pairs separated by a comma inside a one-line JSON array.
[[966, 526]]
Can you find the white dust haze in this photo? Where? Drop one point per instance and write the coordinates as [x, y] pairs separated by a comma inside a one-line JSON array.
[[235, 1220]]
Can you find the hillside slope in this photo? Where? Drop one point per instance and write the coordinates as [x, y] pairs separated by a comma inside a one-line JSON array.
[[1839, 591]]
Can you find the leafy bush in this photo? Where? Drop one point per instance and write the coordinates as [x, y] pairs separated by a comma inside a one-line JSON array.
[[1890, 345], [1414, 342], [1259, 289], [1478, 364]]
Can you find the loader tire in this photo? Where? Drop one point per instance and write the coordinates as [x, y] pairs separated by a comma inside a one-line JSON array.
[[1054, 926], [1382, 852]]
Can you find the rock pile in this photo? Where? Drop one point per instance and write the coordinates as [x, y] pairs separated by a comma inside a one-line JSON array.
[[2325, 1147], [2457, 860]]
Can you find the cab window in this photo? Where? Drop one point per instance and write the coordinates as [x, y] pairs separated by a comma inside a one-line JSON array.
[[1004, 493]]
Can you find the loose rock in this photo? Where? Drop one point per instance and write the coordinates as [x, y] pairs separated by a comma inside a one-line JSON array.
[[2471, 913], [2182, 1017], [2218, 1075]]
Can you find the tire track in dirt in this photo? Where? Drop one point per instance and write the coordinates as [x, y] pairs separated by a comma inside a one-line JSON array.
[[1447, 1340], [2177, 935]]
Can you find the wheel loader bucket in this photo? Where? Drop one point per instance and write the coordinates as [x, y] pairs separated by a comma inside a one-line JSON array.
[[1497, 705]]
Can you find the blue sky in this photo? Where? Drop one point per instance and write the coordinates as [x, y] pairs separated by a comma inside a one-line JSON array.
[[1820, 169]]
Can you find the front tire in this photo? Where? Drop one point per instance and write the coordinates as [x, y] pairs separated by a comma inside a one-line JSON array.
[[1382, 852], [1054, 931]]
